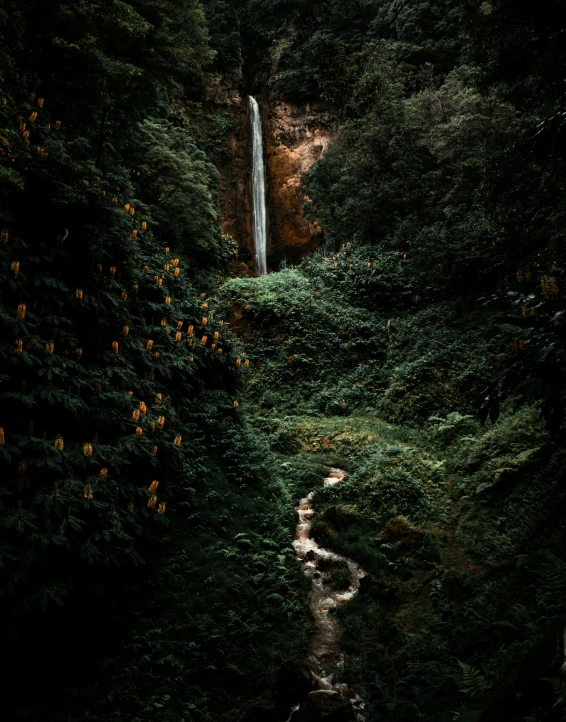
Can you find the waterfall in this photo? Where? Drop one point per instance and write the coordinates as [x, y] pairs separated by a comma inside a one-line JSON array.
[[258, 191]]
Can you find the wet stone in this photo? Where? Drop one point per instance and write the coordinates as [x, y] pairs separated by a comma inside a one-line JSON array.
[[335, 580]]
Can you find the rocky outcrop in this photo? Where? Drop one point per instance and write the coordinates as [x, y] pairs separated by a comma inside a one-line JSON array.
[[296, 136]]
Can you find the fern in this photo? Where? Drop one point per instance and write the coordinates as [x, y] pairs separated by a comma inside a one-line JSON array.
[[472, 682]]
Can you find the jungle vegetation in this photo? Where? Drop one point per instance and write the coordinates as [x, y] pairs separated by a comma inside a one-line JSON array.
[[149, 473]]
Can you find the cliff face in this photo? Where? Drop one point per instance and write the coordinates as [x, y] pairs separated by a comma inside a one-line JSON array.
[[233, 160], [295, 138]]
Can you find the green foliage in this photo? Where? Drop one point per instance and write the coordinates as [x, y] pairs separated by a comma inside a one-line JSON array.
[[120, 443]]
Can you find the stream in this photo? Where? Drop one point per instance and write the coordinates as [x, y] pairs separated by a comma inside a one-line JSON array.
[[325, 658]]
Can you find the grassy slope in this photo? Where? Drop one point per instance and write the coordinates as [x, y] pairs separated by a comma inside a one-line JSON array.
[[471, 570]]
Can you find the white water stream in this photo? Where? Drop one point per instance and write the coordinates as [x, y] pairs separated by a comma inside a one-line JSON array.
[[258, 191], [325, 658]]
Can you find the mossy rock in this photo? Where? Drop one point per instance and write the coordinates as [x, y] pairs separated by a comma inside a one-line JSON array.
[[399, 530], [378, 590], [340, 575], [339, 517], [321, 533]]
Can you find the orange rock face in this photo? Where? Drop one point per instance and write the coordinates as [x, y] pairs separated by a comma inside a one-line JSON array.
[[295, 138]]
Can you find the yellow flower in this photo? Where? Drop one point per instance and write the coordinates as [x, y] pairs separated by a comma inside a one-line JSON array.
[[161, 421], [139, 432], [87, 450], [216, 335], [127, 207], [132, 211], [87, 492], [204, 340], [19, 345], [247, 362], [103, 475], [79, 294], [168, 301], [177, 272], [155, 450], [40, 102], [178, 440], [50, 347], [158, 398], [238, 363], [161, 508], [178, 336], [191, 330], [236, 404], [135, 233], [149, 345], [125, 330], [136, 414], [115, 347], [33, 117], [59, 443], [179, 325], [549, 287], [15, 267], [2, 436], [213, 347], [136, 288], [204, 321], [143, 408], [152, 501], [220, 351], [144, 226], [79, 353]]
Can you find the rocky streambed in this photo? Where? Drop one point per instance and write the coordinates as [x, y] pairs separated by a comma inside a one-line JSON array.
[[329, 699]]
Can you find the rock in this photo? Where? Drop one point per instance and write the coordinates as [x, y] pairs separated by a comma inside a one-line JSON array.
[[399, 530], [321, 533], [325, 707], [383, 592], [340, 518], [295, 139]]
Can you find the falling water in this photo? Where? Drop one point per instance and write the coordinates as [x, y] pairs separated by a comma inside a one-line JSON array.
[[258, 191]]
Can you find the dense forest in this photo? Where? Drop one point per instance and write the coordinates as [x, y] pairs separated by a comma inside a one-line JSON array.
[[163, 409]]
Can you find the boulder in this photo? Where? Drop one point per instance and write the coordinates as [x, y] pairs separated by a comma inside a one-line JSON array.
[[322, 706], [339, 517], [384, 592], [399, 530]]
